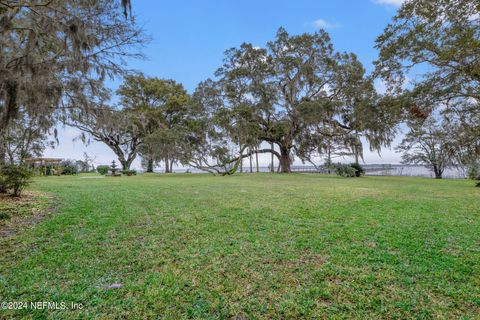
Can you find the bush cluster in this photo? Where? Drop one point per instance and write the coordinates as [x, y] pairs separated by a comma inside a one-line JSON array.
[[474, 172], [14, 179], [69, 167], [345, 171], [349, 170], [103, 169], [359, 171], [129, 172]]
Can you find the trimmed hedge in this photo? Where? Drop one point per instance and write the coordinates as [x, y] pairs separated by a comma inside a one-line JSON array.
[[103, 169]]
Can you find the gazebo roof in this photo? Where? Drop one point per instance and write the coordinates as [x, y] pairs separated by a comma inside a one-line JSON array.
[[43, 160]]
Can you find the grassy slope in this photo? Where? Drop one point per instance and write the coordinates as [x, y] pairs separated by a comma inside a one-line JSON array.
[[261, 246]]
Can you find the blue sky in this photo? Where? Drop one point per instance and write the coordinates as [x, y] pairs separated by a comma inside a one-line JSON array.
[[189, 38]]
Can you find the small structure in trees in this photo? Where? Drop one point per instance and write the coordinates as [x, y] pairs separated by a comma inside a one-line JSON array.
[[45, 166]]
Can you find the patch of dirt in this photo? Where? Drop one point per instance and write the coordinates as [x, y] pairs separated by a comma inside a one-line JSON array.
[[29, 209]]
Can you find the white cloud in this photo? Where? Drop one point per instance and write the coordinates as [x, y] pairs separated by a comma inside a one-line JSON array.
[[324, 24], [390, 2]]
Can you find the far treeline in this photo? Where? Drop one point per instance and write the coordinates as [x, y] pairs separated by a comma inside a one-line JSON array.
[[295, 97]]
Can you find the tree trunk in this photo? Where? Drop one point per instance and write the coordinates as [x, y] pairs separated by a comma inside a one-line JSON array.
[[10, 109], [149, 165], [124, 164], [256, 159], [285, 160], [171, 166], [2, 162], [241, 164], [329, 160], [3, 152], [251, 164], [438, 172], [167, 165], [272, 168], [127, 164]]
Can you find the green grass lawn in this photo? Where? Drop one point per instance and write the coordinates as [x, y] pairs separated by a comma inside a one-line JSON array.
[[259, 246]]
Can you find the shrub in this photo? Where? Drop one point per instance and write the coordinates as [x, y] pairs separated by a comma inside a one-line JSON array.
[[48, 170], [69, 167], [359, 171], [473, 171], [15, 178], [129, 172], [4, 216], [3, 184], [347, 171], [103, 169]]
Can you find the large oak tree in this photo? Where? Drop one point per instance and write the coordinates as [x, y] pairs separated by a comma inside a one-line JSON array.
[[163, 105], [296, 84], [53, 52], [439, 41]]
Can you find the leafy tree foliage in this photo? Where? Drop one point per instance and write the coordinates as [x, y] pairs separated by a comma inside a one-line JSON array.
[[54, 54], [295, 88], [25, 136], [428, 144], [118, 129], [442, 37], [164, 108], [207, 144]]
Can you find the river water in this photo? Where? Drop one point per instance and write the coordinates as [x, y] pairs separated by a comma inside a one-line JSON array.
[[371, 170]]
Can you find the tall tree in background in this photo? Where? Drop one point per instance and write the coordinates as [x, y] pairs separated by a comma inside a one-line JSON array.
[[429, 144], [298, 83], [211, 139], [164, 107], [442, 37], [52, 51], [117, 129], [26, 136]]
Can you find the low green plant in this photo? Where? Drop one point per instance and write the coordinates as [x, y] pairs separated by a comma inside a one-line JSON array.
[[68, 167], [3, 185], [359, 171], [473, 172], [4, 216], [346, 171], [15, 178], [103, 169], [129, 172]]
